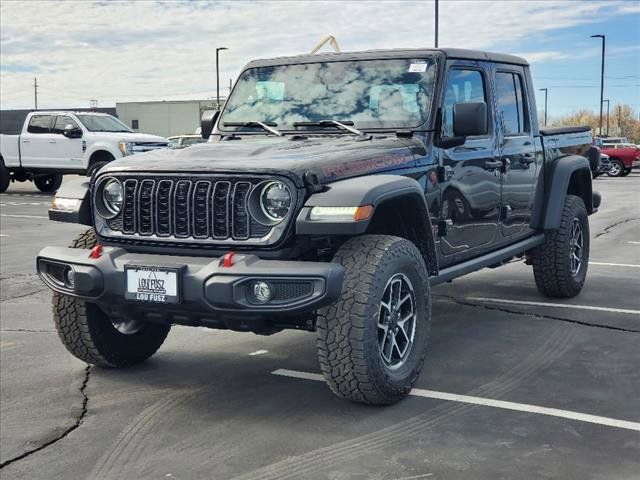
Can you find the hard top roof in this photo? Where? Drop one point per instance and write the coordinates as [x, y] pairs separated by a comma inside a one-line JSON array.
[[454, 53]]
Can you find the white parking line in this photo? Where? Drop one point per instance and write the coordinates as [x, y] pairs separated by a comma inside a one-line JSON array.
[[605, 264], [555, 305], [488, 402], [21, 216], [20, 204], [633, 242], [258, 352]]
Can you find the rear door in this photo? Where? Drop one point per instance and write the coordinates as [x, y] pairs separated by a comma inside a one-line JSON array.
[[66, 152], [470, 188], [517, 151], [36, 143]]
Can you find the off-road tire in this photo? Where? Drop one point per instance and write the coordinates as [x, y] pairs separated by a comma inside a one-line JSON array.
[[93, 168], [347, 330], [5, 179], [551, 260], [87, 332], [48, 183], [617, 166]]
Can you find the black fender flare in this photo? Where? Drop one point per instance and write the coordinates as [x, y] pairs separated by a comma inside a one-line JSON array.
[[373, 190], [62, 210], [570, 174]]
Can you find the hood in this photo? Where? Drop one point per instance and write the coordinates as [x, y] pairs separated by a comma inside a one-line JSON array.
[[132, 137], [330, 158]]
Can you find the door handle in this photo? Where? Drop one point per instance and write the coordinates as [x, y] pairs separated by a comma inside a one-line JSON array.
[[527, 159], [493, 164], [52, 141], [25, 140]]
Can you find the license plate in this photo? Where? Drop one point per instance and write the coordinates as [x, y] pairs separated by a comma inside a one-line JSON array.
[[151, 284]]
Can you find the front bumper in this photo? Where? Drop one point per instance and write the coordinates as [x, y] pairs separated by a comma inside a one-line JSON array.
[[206, 285], [635, 163]]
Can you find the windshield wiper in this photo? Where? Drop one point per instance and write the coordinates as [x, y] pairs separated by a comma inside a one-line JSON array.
[[265, 126], [327, 123]]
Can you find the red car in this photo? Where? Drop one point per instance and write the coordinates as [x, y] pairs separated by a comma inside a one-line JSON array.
[[623, 157]]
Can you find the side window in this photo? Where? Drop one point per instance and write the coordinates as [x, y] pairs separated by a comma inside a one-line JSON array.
[[511, 103], [462, 86], [39, 124], [61, 122]]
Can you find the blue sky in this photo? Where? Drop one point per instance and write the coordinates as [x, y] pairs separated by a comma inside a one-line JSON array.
[[130, 51]]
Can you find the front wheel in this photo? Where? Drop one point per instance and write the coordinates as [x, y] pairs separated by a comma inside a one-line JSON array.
[[372, 341], [616, 168], [560, 263], [48, 183], [92, 336]]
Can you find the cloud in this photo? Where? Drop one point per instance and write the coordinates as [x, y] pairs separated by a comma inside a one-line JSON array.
[[123, 51]]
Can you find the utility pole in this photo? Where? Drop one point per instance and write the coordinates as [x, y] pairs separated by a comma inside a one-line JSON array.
[[601, 78], [218, 76], [436, 32], [35, 92], [546, 91], [607, 100]]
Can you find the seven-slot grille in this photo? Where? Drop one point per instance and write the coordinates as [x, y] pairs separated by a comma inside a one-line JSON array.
[[188, 208]]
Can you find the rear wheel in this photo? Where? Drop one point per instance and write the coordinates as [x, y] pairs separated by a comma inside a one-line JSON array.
[[5, 178], [92, 336], [372, 341], [560, 263], [616, 168], [48, 183]]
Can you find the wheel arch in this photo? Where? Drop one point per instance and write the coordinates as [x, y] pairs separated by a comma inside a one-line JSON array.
[[568, 175], [399, 209]]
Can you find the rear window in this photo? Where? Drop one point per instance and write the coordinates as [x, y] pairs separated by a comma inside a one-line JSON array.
[[40, 124]]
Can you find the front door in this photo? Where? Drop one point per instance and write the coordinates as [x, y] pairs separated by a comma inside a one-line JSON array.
[[66, 152], [470, 187], [521, 164]]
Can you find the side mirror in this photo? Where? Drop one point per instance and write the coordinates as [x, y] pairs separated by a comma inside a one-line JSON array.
[[469, 119], [71, 131], [207, 122]]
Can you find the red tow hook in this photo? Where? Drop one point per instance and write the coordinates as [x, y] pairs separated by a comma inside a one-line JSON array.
[[96, 252], [227, 260]]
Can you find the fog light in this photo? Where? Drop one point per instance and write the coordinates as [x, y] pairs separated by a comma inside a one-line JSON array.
[[70, 277], [261, 292]]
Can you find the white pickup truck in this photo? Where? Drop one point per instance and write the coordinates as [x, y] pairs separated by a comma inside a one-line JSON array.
[[55, 143]]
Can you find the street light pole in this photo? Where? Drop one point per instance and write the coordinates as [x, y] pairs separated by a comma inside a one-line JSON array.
[[607, 100], [436, 32], [546, 91], [218, 76], [601, 78]]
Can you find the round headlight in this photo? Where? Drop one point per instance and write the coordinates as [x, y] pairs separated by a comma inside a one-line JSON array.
[[112, 197], [275, 201]]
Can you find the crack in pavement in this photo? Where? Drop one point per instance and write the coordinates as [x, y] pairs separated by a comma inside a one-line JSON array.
[[67, 431], [25, 330], [6, 299], [537, 315], [609, 227]]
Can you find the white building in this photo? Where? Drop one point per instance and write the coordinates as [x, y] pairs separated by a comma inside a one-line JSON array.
[[164, 118]]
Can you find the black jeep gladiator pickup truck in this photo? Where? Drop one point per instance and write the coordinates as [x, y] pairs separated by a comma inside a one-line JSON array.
[[334, 191]]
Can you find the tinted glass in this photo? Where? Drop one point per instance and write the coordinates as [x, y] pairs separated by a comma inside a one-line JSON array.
[[61, 122], [103, 123], [371, 94], [39, 124], [462, 86], [511, 102]]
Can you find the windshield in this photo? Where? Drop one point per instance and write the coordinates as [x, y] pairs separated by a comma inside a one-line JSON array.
[[103, 123], [371, 94]]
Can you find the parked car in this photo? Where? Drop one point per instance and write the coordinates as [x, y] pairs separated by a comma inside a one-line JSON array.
[[52, 144], [623, 157], [598, 161], [182, 141], [335, 218]]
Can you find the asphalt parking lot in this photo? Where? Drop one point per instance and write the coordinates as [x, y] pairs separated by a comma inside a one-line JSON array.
[[515, 386]]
